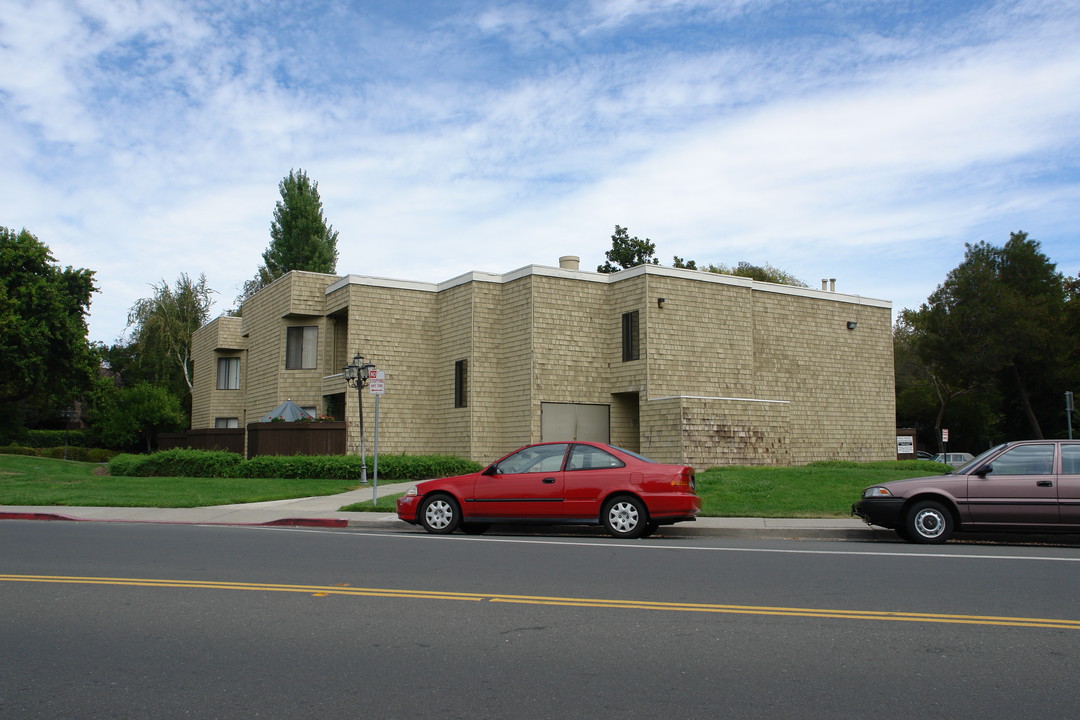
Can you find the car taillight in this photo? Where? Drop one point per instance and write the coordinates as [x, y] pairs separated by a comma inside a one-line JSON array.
[[684, 479]]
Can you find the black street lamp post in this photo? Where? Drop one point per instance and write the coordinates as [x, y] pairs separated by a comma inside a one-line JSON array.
[[356, 375]]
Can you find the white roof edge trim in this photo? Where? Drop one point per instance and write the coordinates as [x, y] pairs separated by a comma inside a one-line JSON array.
[[587, 276], [709, 397]]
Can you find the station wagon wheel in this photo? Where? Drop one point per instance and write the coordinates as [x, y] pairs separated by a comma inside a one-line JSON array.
[[927, 522], [439, 514], [625, 517]]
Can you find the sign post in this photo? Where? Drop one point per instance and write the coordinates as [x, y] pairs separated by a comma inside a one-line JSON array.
[[1069, 410], [377, 386], [945, 442]]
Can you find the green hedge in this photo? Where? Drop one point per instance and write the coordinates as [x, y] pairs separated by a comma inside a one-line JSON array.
[[79, 454], [42, 439], [203, 463], [178, 463]]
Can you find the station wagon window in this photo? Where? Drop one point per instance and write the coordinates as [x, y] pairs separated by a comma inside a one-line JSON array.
[[1070, 459], [301, 346], [539, 458], [587, 457], [1025, 460]]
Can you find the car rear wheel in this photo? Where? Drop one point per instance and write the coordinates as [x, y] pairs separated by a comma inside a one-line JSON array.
[[440, 515], [625, 517], [927, 522]]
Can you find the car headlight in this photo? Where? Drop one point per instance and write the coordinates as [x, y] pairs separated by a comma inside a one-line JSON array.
[[411, 492], [876, 492]]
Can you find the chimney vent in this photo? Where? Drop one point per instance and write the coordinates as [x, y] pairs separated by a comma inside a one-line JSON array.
[[570, 262]]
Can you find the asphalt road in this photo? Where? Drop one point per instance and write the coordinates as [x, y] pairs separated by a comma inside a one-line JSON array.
[[119, 621]]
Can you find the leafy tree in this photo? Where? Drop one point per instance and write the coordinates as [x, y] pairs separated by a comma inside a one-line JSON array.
[[685, 264], [762, 273], [160, 348], [46, 358], [132, 416], [627, 252], [997, 322], [300, 238]]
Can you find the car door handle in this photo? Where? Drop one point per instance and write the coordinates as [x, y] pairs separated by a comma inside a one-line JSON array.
[[1045, 483], [548, 481]]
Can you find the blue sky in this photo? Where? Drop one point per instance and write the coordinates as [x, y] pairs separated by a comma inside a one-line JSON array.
[[862, 141]]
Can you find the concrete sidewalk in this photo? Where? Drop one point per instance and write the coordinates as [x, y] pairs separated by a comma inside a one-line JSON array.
[[324, 511]]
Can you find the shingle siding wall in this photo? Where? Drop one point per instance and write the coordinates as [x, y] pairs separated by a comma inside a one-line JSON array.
[[730, 371]]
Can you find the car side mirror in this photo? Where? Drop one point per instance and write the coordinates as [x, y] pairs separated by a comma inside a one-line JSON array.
[[984, 470], [491, 470]]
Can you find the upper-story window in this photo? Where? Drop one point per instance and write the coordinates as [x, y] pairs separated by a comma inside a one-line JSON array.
[[461, 383], [228, 373], [301, 347], [631, 347]]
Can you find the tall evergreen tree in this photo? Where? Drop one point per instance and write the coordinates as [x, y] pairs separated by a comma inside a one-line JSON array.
[[300, 238], [998, 322]]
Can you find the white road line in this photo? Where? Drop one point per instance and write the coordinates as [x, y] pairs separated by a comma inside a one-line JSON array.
[[653, 546]]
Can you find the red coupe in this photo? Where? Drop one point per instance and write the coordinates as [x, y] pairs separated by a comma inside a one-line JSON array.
[[571, 483]]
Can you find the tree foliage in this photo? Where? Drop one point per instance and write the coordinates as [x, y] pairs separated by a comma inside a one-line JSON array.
[[761, 273], [627, 252], [997, 326], [46, 358], [162, 325], [300, 238], [126, 417]]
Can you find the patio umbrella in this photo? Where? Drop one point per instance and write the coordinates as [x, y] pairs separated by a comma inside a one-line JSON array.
[[288, 411]]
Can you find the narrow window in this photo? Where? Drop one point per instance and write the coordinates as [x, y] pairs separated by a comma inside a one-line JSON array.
[[630, 344], [301, 345], [228, 373], [461, 383]]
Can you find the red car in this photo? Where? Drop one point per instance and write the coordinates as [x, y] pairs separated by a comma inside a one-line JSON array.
[[572, 483]]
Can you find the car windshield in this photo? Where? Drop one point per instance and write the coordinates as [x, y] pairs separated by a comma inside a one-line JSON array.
[[972, 464]]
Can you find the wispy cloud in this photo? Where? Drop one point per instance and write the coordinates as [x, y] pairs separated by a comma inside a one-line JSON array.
[[861, 141]]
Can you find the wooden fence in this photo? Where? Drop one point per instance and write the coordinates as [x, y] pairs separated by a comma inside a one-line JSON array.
[[264, 438]]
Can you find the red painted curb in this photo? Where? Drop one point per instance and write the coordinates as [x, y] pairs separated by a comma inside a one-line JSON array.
[[33, 516], [309, 522]]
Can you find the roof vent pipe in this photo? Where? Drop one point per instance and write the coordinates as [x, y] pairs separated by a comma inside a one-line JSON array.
[[832, 284], [824, 283], [570, 262]]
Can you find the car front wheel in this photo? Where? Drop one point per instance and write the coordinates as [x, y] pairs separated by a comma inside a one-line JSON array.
[[440, 515], [625, 517], [927, 522]]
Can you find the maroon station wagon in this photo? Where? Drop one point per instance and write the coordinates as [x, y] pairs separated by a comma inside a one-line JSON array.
[[1032, 486], [571, 483]]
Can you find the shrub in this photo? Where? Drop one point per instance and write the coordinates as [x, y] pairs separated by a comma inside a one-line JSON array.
[[205, 463], [79, 454], [178, 463], [54, 438]]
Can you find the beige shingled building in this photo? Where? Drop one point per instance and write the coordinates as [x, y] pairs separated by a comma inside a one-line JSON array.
[[680, 365]]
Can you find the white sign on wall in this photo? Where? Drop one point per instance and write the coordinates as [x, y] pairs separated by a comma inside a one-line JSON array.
[[905, 445]]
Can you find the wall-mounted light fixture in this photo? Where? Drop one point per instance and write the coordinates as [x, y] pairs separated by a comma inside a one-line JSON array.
[[851, 324], [659, 302]]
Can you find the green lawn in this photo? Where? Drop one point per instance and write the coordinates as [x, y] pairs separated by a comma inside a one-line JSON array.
[[818, 490], [43, 481]]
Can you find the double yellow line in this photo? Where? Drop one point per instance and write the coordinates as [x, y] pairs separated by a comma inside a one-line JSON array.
[[344, 589]]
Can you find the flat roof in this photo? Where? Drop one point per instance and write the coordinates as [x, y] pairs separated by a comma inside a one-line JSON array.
[[607, 278]]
